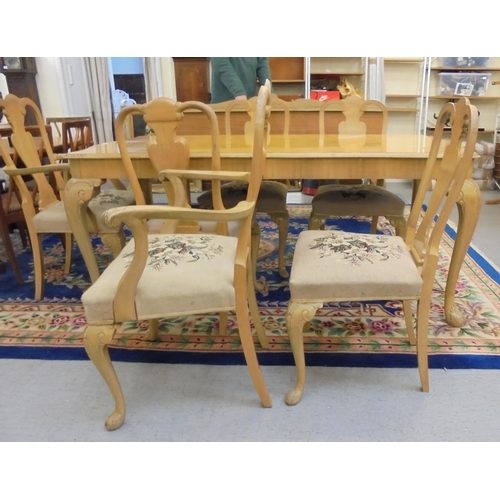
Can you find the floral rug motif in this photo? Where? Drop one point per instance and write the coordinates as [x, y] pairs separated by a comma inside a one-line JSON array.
[[347, 333]]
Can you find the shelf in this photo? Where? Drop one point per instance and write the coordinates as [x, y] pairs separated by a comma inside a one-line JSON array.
[[336, 73], [471, 97], [398, 60], [402, 110], [402, 96], [485, 69], [287, 69], [480, 130], [288, 81]]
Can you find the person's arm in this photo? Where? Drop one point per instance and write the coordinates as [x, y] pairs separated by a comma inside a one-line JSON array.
[[222, 67], [263, 71]]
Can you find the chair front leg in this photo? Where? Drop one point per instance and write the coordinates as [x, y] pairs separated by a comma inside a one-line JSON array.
[[243, 319], [297, 315], [422, 335], [96, 340]]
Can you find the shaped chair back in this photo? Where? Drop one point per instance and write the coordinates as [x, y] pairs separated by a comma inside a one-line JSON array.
[[449, 174], [28, 149], [353, 129], [165, 148]]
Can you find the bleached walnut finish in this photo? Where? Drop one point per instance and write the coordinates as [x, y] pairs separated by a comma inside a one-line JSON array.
[[273, 194], [170, 274], [370, 200], [335, 266], [49, 215]]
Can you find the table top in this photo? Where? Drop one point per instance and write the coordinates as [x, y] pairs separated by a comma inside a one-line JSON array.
[[292, 146]]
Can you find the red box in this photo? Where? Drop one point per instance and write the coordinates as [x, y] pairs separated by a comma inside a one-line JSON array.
[[324, 95]]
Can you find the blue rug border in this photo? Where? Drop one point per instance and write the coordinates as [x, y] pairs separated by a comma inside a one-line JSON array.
[[327, 359]]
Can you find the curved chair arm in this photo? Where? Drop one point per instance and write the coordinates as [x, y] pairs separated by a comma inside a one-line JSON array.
[[54, 167], [127, 215]]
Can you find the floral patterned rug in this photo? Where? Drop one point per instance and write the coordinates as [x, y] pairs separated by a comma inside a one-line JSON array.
[[342, 334]]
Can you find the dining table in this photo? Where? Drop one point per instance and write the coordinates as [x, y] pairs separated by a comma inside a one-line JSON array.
[[300, 156]]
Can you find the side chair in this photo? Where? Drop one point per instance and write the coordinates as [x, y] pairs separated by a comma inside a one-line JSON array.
[[170, 274], [336, 266], [347, 198], [11, 214], [47, 214], [76, 134], [273, 194]]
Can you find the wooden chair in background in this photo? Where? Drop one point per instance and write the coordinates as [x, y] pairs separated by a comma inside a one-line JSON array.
[[76, 134], [172, 274], [335, 266], [12, 216], [48, 215], [370, 199], [273, 194]]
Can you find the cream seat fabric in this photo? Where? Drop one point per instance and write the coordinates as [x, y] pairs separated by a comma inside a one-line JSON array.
[[193, 272], [173, 274], [333, 266]]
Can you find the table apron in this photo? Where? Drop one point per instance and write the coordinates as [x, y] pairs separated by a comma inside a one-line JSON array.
[[276, 168]]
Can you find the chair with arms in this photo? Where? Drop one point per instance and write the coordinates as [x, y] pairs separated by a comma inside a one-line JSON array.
[[273, 194], [48, 214], [356, 199], [171, 151], [334, 266], [171, 274]]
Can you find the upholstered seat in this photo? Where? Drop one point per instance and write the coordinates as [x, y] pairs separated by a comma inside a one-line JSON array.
[[197, 268], [335, 266], [359, 265], [173, 274], [370, 198]]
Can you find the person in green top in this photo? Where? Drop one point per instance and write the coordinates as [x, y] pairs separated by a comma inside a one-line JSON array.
[[238, 77]]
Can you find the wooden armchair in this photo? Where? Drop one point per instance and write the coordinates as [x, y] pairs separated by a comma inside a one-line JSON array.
[[273, 194], [48, 215], [170, 274], [356, 199], [334, 266]]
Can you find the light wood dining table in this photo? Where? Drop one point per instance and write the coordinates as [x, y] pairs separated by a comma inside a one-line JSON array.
[[302, 156]]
